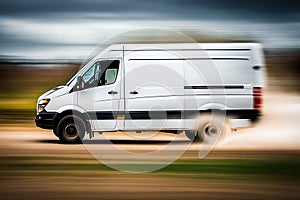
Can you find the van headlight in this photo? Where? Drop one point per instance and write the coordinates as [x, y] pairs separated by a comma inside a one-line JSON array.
[[42, 104]]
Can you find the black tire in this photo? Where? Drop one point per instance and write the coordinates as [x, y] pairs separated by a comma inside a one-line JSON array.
[[212, 128], [71, 129], [191, 135]]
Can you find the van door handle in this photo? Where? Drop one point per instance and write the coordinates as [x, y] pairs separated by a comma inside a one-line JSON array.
[[133, 92], [112, 92]]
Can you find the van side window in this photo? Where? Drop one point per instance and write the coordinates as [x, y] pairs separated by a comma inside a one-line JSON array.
[[110, 73], [102, 72]]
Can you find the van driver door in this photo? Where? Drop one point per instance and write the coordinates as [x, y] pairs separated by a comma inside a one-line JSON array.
[[100, 95]]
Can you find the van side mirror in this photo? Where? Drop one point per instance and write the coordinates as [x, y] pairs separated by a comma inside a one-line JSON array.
[[79, 83]]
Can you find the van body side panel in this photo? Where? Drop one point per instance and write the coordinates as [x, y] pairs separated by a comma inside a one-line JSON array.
[[212, 79], [218, 84], [258, 64]]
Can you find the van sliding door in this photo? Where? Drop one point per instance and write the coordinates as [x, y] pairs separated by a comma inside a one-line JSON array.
[[153, 92]]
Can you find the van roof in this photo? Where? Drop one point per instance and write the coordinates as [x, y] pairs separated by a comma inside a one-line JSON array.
[[178, 46], [116, 49]]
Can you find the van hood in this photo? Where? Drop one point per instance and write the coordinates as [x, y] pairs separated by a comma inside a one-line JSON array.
[[57, 91]]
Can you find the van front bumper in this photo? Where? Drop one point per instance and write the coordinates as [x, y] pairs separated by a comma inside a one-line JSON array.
[[44, 119]]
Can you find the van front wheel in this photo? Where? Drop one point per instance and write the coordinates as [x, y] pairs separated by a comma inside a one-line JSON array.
[[71, 129], [191, 135]]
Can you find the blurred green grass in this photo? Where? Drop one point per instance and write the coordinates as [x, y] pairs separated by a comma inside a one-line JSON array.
[[21, 85], [254, 169], [267, 169]]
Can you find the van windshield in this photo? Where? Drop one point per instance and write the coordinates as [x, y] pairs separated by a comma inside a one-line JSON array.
[[79, 72]]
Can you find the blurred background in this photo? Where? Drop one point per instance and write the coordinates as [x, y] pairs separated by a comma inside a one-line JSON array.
[[43, 43]]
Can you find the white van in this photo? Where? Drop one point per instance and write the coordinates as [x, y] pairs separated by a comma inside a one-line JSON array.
[[157, 87]]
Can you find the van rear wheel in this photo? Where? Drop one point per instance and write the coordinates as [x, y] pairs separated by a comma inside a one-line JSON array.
[[211, 129], [71, 129]]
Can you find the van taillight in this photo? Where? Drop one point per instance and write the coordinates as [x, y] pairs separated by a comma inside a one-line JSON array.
[[257, 98]]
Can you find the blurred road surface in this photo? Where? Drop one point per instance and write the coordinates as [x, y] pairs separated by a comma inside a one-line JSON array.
[[35, 165]]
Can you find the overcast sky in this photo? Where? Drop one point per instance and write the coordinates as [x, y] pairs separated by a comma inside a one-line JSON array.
[[73, 28]]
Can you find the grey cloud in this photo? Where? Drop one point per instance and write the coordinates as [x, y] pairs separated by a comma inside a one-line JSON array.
[[254, 10], [275, 23]]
